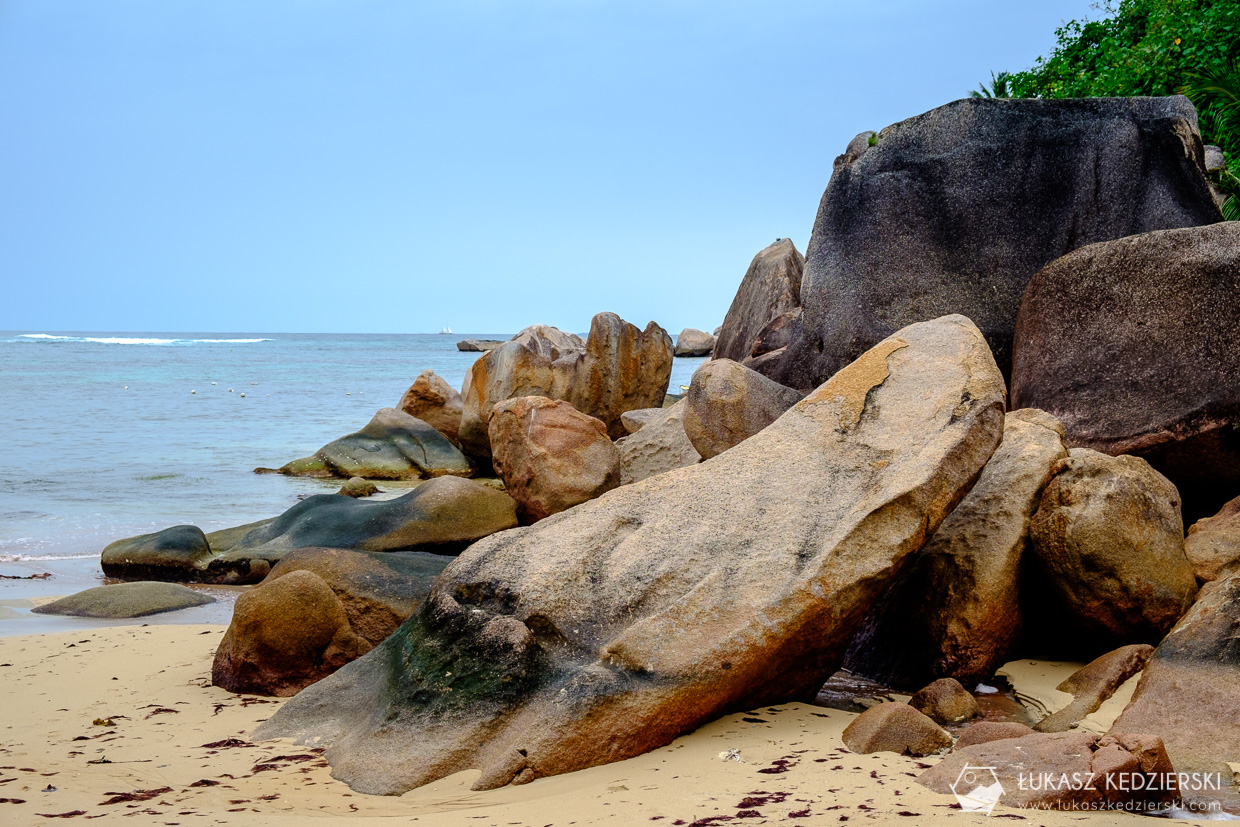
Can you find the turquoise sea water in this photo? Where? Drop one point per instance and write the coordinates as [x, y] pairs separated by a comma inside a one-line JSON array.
[[104, 439]]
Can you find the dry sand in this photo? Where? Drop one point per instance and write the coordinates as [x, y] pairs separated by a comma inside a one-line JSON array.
[[163, 745]]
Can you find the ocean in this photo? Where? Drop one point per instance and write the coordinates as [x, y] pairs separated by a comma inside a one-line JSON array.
[[109, 435]]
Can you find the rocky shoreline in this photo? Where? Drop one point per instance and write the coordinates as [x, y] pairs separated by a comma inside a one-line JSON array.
[[967, 429]]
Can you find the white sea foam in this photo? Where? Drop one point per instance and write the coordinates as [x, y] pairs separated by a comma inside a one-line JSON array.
[[122, 340], [33, 558]]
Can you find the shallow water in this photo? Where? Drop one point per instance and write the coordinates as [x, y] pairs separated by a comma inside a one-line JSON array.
[[114, 434]]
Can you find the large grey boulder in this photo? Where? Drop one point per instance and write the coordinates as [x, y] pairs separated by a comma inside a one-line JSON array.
[[1109, 540], [617, 368], [126, 600], [770, 288], [659, 446], [728, 403], [610, 629], [392, 446], [927, 221], [955, 609], [1131, 344], [431, 399]]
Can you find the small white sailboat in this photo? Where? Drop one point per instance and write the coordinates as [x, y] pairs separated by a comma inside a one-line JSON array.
[[447, 331]]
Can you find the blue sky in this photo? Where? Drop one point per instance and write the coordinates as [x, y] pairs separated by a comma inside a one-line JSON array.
[[384, 166]]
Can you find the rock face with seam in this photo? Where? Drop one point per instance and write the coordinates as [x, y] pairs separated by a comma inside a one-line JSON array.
[[955, 609], [1213, 543], [608, 630], [924, 221], [392, 446], [1132, 345], [770, 289], [617, 368]]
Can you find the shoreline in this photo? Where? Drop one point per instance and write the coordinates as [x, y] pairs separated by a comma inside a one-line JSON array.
[[153, 682]]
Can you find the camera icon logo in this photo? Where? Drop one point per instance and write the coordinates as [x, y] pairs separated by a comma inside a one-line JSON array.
[[977, 789]]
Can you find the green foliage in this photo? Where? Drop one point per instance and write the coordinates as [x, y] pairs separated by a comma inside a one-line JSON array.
[[998, 87], [1150, 47]]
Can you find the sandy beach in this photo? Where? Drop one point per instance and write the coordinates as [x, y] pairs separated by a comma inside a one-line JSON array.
[[122, 722]]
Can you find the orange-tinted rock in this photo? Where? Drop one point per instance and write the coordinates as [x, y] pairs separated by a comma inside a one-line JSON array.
[[618, 368], [983, 732], [550, 455], [431, 399]]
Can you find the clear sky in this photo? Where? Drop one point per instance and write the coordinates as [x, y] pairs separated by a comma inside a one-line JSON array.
[[393, 166]]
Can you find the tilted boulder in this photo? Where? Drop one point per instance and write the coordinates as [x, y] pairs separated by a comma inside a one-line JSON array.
[[770, 288], [661, 445], [1189, 694], [126, 600], [431, 399], [1131, 344], [1109, 539], [1123, 773], [895, 727], [610, 629], [618, 368], [955, 609], [1094, 683], [728, 403], [336, 606], [693, 342], [925, 222], [775, 336], [1213, 543], [392, 446], [550, 455]]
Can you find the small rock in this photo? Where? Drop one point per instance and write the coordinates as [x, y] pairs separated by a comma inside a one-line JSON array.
[[126, 600], [945, 701], [660, 446], [895, 727], [357, 488], [634, 420]]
